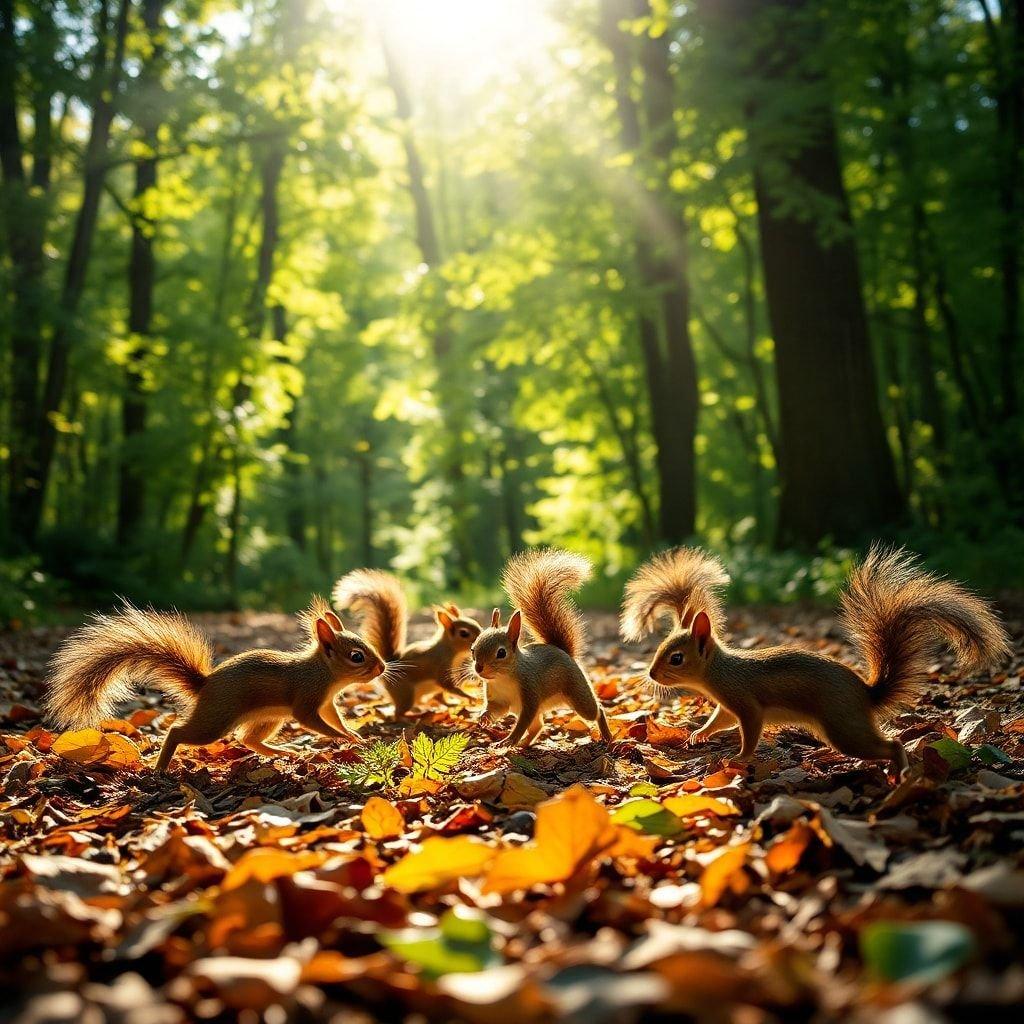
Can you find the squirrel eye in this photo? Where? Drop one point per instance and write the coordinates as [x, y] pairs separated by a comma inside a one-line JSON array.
[[501, 652], [464, 632], [676, 658], [358, 657]]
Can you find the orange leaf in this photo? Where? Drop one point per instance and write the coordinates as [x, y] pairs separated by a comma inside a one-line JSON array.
[[381, 819], [785, 852], [417, 787], [658, 732], [691, 803], [572, 830], [266, 863], [83, 746], [437, 862], [722, 873]]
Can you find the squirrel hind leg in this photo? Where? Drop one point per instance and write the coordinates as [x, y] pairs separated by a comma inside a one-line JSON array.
[[196, 732], [859, 737], [254, 735]]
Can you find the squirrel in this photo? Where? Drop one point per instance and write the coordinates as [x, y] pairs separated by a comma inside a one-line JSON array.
[[528, 679], [255, 692], [415, 670], [894, 611]]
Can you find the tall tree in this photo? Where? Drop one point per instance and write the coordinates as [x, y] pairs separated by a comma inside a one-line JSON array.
[[25, 201], [648, 132], [835, 467], [105, 87], [141, 279]]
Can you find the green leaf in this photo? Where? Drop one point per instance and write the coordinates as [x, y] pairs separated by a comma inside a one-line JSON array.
[[988, 754], [432, 760], [643, 789], [956, 755], [461, 944], [921, 951], [647, 816]]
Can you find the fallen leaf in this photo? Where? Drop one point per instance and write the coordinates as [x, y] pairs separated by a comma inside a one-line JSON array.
[[438, 862], [382, 820], [724, 872]]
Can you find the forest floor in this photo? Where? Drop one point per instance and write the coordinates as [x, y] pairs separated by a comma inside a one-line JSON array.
[[571, 881]]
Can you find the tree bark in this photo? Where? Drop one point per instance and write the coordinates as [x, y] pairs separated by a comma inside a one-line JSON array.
[[836, 469], [108, 69], [132, 475], [25, 200], [647, 130]]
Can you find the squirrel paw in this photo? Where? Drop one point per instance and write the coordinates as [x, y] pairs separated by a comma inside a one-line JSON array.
[[698, 738]]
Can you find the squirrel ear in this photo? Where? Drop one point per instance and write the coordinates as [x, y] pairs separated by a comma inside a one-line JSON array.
[[444, 618], [701, 630], [454, 610], [496, 618], [515, 625], [326, 636], [334, 622]]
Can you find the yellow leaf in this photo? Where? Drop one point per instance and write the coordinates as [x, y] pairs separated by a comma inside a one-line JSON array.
[[417, 787], [725, 871], [85, 746], [572, 830], [90, 746], [267, 863], [691, 803], [121, 753], [437, 862], [381, 819]]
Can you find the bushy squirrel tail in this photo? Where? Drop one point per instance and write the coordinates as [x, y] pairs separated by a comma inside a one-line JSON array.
[[379, 601], [681, 582], [539, 583], [95, 668], [896, 613]]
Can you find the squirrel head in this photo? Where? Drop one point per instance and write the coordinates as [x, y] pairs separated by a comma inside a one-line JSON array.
[[460, 630], [346, 654], [682, 658], [496, 650]]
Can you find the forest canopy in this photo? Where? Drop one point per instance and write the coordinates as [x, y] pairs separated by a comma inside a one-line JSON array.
[[293, 286]]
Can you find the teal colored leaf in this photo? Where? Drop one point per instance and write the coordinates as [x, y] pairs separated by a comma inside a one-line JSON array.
[[956, 755], [988, 754], [461, 944], [919, 951]]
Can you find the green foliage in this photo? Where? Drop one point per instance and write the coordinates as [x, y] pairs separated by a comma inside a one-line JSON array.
[[27, 593], [462, 943], [436, 759], [376, 766], [432, 415]]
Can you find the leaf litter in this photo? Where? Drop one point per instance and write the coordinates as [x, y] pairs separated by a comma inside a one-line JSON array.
[[427, 874]]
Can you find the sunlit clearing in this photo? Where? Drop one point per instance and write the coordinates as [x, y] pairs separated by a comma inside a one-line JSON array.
[[467, 40]]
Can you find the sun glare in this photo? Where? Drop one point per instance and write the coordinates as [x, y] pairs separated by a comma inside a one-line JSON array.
[[470, 40]]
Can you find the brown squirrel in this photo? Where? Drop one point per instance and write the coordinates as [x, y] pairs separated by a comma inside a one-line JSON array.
[[255, 692], [529, 679], [894, 612], [414, 670]]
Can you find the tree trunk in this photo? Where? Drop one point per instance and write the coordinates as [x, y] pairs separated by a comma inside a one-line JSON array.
[[295, 498], [442, 335], [835, 467], [108, 69], [132, 475], [25, 203], [647, 130]]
